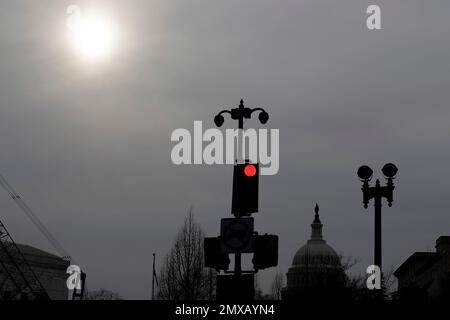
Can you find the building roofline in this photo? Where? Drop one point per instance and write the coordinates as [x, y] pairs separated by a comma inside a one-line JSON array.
[[426, 257], [45, 259]]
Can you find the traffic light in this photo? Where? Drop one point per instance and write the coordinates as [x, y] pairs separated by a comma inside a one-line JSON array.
[[265, 251], [214, 258], [245, 189]]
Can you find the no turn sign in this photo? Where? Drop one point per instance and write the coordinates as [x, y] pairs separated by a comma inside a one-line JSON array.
[[236, 235]]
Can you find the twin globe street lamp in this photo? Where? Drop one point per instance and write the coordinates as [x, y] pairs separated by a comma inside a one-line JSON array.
[[377, 193], [240, 113]]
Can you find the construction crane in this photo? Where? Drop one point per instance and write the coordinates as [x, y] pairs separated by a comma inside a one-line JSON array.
[[13, 263], [18, 280]]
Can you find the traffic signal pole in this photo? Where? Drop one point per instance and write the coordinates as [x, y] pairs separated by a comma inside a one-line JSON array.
[[239, 157], [237, 263], [237, 234], [239, 114]]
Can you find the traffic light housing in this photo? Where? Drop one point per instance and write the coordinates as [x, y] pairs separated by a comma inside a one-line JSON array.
[[245, 189], [265, 251], [214, 258]]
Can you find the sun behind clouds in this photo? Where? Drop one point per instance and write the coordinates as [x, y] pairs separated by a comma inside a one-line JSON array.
[[92, 34]]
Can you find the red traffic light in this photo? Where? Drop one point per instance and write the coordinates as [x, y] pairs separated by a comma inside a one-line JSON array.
[[250, 170], [245, 189]]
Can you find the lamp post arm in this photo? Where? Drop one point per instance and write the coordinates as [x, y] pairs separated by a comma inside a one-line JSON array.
[[257, 109], [224, 111]]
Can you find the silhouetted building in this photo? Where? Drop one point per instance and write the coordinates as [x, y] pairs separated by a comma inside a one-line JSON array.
[[50, 270], [426, 275], [316, 269]]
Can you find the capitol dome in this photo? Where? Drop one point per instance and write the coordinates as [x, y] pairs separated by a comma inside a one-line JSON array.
[[316, 267]]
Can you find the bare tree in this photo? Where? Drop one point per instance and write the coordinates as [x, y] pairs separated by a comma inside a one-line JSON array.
[[183, 275], [348, 262], [102, 294], [357, 286], [277, 285], [259, 294], [390, 281]]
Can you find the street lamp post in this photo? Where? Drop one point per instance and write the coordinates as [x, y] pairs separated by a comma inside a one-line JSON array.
[[240, 113], [377, 193]]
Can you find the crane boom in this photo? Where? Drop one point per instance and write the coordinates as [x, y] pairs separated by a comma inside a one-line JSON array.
[[32, 216]]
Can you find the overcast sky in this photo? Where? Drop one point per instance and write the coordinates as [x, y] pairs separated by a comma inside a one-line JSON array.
[[88, 145]]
